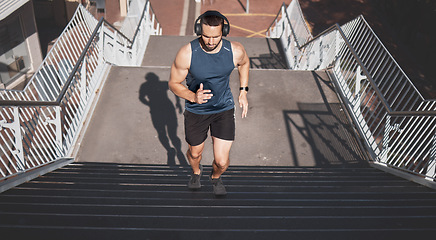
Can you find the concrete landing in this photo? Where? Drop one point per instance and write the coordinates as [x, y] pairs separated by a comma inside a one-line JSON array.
[[294, 119]]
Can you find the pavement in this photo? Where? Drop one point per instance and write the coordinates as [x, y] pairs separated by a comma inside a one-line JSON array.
[[177, 17]]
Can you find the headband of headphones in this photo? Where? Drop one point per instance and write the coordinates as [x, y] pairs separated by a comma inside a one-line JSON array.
[[197, 25]]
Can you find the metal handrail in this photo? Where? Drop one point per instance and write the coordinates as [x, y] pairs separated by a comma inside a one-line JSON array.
[[71, 76], [77, 65], [140, 22], [277, 16], [336, 27], [36, 130], [397, 125]]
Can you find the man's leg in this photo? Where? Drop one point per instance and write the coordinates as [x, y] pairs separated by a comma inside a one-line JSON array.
[[221, 152], [194, 155]]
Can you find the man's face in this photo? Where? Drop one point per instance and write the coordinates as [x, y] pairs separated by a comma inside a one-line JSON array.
[[211, 37]]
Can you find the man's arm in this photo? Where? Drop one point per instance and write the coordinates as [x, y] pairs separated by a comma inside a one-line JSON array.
[[242, 62], [179, 71]]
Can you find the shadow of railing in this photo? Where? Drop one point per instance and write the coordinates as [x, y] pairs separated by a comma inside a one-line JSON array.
[[275, 59], [326, 129]]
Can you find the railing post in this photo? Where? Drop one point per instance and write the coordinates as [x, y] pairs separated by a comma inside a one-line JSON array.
[[18, 137], [357, 88], [56, 121], [386, 140], [82, 79]]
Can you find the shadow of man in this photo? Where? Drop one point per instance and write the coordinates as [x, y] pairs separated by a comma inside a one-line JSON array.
[[153, 93]]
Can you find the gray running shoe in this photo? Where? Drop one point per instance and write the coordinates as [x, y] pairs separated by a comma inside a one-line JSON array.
[[218, 187], [194, 182]]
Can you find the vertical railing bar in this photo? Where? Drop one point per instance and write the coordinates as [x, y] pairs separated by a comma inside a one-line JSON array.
[[368, 56], [63, 70], [74, 48], [53, 82], [401, 95], [421, 155], [49, 92], [38, 141], [403, 138], [413, 136], [15, 167], [9, 160], [381, 73], [412, 101], [391, 58], [378, 125], [374, 71], [31, 90], [384, 79], [40, 92], [359, 42], [392, 86], [49, 126]]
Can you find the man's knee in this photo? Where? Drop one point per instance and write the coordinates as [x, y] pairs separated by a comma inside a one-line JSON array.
[[194, 154], [222, 163]]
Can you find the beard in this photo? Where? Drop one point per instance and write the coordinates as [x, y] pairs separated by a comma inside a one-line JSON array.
[[210, 48]]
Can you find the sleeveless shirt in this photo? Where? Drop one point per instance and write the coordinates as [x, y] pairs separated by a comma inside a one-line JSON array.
[[213, 70]]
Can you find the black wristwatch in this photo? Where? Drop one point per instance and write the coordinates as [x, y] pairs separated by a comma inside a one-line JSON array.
[[243, 88]]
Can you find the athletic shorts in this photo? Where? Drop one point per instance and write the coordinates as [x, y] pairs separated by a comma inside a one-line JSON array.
[[221, 125]]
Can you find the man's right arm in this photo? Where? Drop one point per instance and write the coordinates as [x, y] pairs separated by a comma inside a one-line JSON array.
[[179, 71]]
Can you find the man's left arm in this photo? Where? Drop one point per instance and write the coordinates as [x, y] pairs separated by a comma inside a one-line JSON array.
[[242, 62]]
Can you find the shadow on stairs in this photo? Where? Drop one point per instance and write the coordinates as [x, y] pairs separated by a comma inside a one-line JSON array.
[[124, 201]]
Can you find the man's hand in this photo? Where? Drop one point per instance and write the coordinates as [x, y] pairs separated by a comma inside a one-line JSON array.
[[202, 96], [243, 103]]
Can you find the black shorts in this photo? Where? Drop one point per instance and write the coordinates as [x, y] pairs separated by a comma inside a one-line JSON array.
[[222, 126]]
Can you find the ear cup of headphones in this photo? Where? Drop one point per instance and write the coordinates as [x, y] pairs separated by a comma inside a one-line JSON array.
[[197, 29], [226, 29], [226, 26]]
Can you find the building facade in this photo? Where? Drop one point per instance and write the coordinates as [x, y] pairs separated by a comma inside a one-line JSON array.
[[20, 52]]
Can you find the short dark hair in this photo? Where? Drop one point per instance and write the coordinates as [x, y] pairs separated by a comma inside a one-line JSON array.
[[212, 20]]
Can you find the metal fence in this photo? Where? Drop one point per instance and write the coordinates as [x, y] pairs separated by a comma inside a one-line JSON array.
[[40, 124], [396, 124]]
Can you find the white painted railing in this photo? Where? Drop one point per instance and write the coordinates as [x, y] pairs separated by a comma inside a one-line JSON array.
[[40, 124], [397, 125]]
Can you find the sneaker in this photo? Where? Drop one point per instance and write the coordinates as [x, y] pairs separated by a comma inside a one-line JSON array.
[[194, 182], [218, 187]]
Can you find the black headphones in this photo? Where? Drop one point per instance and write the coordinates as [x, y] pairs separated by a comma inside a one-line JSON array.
[[197, 25]]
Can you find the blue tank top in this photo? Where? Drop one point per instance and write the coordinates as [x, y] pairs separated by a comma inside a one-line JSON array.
[[213, 70]]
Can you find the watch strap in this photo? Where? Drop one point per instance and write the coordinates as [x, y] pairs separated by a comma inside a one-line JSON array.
[[243, 88]]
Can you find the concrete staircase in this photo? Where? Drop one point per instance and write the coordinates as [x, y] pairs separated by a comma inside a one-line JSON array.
[[124, 201], [297, 171]]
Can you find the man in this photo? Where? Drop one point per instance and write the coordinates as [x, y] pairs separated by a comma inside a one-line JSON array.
[[206, 63]]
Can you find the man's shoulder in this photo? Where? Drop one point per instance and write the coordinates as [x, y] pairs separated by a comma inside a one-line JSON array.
[[183, 57], [236, 46], [185, 50]]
